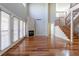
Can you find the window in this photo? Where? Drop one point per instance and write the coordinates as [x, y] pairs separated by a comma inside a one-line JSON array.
[[5, 32], [15, 29], [61, 8], [21, 31], [24, 28], [60, 14]]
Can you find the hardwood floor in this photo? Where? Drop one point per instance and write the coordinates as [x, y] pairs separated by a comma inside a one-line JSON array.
[[39, 46]]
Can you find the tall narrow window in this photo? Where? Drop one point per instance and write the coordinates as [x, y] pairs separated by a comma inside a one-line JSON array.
[[15, 29], [21, 31], [5, 32], [24, 28]]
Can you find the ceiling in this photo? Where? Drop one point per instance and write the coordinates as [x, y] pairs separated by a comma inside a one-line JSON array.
[[17, 8]]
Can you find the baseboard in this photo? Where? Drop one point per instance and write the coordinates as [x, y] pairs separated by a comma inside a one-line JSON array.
[[41, 35], [3, 51]]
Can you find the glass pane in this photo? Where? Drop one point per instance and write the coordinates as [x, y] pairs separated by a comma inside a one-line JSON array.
[[15, 36], [21, 29], [24, 28], [4, 21], [60, 14], [5, 40], [15, 29], [5, 36]]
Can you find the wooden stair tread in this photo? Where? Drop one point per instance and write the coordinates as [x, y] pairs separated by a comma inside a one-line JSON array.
[[67, 32]]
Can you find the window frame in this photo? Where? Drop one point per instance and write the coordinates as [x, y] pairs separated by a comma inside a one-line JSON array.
[[14, 40], [4, 30]]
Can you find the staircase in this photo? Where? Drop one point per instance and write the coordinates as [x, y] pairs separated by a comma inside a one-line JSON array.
[[66, 29]]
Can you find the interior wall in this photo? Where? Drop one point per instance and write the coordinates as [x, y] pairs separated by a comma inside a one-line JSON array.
[[52, 12], [62, 6], [52, 17], [39, 12]]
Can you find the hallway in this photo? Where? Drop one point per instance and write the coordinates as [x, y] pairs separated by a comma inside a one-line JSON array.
[[39, 46]]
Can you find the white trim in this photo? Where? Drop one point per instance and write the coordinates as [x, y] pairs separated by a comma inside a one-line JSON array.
[[11, 29], [41, 35]]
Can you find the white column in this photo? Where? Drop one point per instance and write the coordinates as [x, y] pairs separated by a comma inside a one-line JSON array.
[[11, 29]]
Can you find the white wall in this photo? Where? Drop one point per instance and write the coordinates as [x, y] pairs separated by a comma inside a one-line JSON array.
[[52, 12], [62, 6], [31, 23], [40, 11]]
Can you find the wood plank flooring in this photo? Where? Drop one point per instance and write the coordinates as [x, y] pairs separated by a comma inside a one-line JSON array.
[[39, 46]]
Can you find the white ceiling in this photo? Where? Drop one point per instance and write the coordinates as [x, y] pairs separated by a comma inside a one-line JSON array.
[[17, 8]]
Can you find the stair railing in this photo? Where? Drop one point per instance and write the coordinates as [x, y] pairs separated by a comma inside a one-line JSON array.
[[75, 14], [68, 16]]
